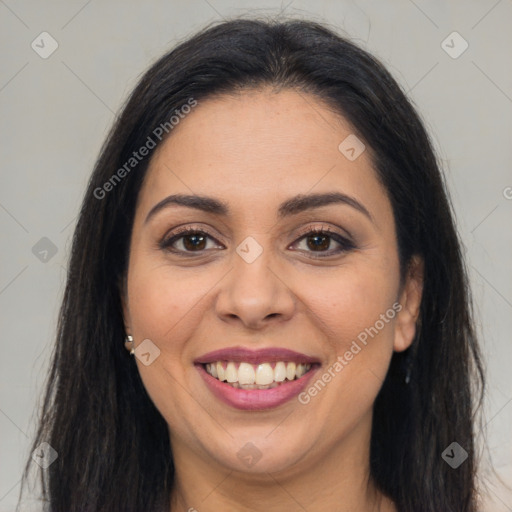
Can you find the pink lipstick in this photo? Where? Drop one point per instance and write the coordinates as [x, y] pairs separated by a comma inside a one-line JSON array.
[[256, 379]]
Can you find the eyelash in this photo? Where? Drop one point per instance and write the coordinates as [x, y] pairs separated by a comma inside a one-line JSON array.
[[345, 244]]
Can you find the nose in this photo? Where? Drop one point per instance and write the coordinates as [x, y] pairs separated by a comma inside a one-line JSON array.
[[253, 295]]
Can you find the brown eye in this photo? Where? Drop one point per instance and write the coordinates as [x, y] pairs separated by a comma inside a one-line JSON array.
[[320, 241], [186, 241], [192, 242]]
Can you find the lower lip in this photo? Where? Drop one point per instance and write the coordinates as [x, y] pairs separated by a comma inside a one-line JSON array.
[[255, 399]]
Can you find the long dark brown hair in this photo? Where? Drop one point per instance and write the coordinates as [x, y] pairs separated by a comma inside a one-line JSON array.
[[113, 445]]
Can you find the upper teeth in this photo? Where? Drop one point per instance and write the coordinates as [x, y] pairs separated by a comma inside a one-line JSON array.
[[259, 374]]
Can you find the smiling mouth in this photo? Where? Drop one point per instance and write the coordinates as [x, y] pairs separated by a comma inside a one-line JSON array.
[[242, 375]]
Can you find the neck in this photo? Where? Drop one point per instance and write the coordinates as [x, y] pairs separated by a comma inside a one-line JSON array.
[[337, 479]]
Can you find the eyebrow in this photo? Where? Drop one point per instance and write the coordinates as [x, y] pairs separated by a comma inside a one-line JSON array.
[[291, 206]]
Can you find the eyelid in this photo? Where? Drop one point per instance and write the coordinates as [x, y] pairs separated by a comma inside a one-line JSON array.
[[325, 229], [345, 242], [179, 232]]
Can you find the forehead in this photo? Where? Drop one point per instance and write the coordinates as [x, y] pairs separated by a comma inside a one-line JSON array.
[[258, 145]]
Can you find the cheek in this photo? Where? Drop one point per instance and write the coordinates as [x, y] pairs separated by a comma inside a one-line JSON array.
[[357, 314], [166, 304], [348, 303], [166, 307]]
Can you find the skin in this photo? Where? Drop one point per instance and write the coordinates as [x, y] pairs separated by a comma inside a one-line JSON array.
[[253, 151]]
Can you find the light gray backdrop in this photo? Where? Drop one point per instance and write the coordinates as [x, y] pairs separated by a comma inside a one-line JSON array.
[[56, 109]]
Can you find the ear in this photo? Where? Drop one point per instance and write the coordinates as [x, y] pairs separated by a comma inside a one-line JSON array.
[[410, 302]]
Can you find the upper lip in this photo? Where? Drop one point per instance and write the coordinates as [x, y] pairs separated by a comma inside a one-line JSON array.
[[265, 355]]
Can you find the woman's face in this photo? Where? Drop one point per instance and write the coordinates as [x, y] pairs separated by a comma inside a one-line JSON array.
[[249, 284]]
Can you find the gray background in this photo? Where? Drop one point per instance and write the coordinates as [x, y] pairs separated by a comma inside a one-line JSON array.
[[55, 113]]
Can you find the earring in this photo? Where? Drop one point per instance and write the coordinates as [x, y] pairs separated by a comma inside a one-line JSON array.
[[408, 363], [408, 376], [129, 339]]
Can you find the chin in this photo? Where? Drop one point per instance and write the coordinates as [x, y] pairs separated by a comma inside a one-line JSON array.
[[260, 454]]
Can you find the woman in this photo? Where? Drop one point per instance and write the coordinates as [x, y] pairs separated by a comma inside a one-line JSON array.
[[266, 306]]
